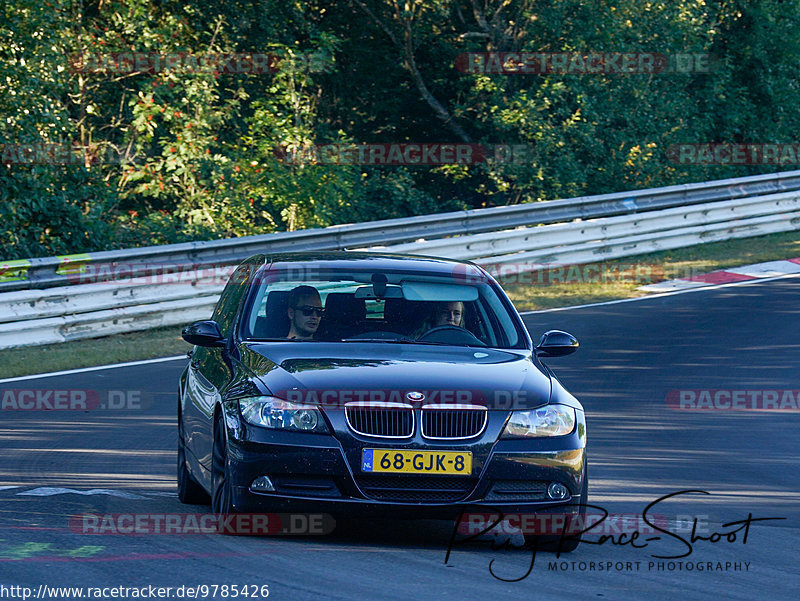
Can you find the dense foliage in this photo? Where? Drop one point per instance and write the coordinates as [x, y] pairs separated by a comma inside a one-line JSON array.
[[182, 154]]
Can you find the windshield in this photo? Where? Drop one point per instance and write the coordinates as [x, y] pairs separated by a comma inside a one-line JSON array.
[[338, 306]]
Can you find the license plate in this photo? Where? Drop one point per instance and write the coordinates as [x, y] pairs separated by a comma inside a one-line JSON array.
[[456, 463]]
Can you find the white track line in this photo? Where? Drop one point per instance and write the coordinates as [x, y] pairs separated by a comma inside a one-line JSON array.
[[662, 294], [85, 369]]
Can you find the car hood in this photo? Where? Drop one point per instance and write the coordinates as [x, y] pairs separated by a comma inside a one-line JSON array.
[[328, 373]]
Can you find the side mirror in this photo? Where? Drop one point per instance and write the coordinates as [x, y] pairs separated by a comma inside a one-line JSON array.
[[203, 333], [556, 343]]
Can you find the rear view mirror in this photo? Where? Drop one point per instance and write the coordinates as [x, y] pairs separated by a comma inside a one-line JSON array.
[[203, 333], [556, 343], [383, 291]]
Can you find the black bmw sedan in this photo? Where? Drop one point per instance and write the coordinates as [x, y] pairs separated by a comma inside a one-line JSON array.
[[375, 385]]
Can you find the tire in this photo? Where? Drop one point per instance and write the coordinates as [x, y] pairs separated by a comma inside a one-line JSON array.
[[568, 545], [221, 487], [189, 491]]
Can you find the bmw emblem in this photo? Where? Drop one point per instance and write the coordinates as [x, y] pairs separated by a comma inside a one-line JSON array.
[[415, 397]]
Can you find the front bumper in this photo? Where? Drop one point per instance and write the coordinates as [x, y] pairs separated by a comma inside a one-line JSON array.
[[316, 473]]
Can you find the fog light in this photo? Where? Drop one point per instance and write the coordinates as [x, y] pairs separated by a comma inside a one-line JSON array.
[[557, 491], [262, 484]]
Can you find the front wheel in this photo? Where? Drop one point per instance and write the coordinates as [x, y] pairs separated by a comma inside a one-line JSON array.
[[221, 486]]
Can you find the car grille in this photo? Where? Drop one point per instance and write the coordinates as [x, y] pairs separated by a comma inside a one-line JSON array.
[[416, 489], [389, 420], [444, 422]]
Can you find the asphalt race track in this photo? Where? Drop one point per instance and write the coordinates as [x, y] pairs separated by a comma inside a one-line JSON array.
[[120, 459]]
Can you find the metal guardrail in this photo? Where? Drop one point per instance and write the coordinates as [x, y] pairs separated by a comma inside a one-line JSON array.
[[624, 235], [581, 230], [56, 271]]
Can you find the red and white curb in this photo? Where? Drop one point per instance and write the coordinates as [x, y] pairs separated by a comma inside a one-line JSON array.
[[770, 269]]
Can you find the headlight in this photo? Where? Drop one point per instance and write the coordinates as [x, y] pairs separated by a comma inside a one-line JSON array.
[[550, 420], [270, 412]]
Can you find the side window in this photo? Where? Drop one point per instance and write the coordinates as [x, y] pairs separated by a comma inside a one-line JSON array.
[[231, 297]]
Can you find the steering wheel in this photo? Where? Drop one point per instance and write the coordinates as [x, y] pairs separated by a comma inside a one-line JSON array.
[[451, 335]]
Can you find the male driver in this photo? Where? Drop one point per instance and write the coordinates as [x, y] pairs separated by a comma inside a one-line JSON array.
[[305, 310]]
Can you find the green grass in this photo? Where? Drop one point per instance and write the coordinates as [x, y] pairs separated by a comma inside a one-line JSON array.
[[654, 267], [149, 344]]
